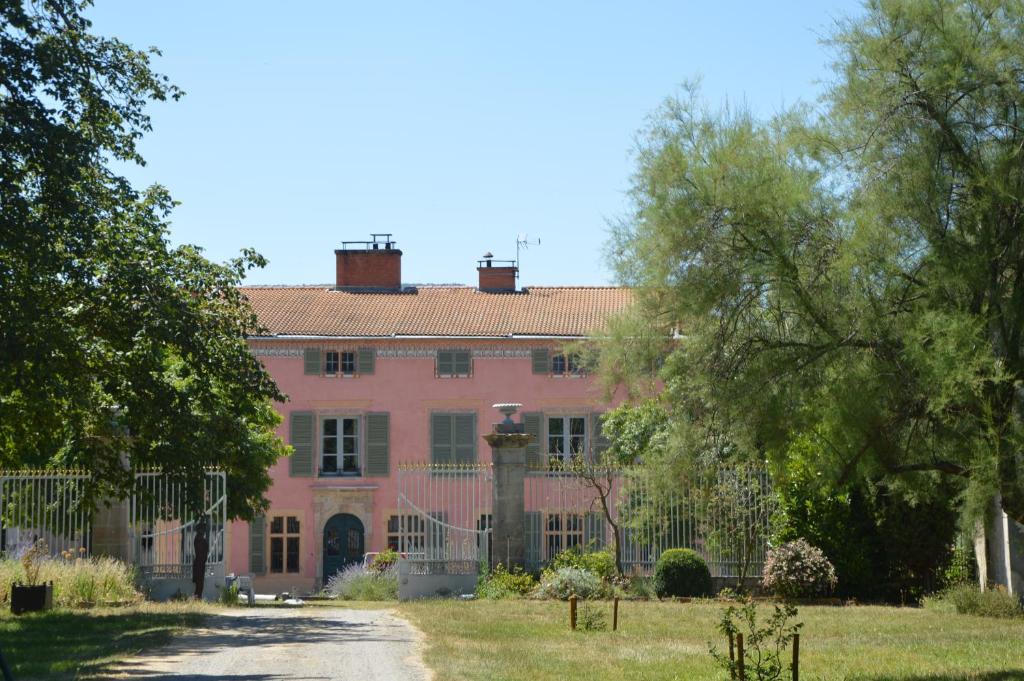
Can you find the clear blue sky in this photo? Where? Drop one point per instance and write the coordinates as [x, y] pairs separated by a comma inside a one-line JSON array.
[[454, 126]]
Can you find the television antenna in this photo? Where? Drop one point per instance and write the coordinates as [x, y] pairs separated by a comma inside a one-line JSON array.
[[523, 242]]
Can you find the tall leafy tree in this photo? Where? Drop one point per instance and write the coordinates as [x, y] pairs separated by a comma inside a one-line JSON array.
[[114, 346], [853, 274]]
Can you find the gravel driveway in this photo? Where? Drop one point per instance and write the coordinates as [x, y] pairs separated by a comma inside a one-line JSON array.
[[281, 643]]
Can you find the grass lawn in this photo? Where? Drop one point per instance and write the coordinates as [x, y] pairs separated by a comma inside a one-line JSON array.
[[66, 644], [519, 639]]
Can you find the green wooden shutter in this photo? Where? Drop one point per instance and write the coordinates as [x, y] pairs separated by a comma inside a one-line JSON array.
[[441, 438], [532, 426], [365, 360], [531, 527], [377, 437], [464, 428], [258, 545], [300, 463], [445, 362], [461, 363], [598, 442], [541, 360], [593, 531], [312, 364]]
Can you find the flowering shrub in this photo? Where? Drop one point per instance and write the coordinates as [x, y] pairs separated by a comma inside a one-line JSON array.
[[567, 581], [798, 570], [384, 560], [356, 583]]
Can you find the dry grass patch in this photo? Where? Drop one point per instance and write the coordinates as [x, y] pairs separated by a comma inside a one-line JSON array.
[[506, 640]]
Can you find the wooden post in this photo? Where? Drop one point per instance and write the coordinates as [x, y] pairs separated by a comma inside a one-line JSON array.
[[796, 657], [572, 612], [732, 656], [615, 614], [739, 657]]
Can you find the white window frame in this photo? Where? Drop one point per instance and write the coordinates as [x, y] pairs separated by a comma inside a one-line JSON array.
[[565, 456], [351, 354], [571, 362], [339, 453], [327, 362]]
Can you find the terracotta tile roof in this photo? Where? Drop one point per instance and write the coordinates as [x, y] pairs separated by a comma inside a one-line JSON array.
[[435, 311]]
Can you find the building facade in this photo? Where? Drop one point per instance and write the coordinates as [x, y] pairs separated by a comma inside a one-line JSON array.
[[380, 374]]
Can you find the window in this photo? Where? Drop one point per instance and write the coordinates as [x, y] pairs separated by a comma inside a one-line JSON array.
[[564, 364], [336, 362], [348, 363], [567, 438], [405, 533], [453, 363], [284, 544], [562, 531], [339, 446]]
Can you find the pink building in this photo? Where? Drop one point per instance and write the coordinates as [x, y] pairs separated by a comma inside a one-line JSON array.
[[380, 374]]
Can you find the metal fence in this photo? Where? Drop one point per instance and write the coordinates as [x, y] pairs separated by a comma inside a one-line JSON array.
[[445, 516], [52, 506], [162, 528], [723, 515], [44, 505]]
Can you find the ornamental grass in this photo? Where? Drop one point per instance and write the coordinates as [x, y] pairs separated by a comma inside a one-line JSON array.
[[78, 581]]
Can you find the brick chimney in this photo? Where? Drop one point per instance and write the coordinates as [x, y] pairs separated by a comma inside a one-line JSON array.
[[497, 276], [374, 264]]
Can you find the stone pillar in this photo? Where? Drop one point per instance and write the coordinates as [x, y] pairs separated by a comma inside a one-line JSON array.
[[508, 452]]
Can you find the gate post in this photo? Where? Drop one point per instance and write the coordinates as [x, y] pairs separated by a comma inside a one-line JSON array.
[[508, 443]]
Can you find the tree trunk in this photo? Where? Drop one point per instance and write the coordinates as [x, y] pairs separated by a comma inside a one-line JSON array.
[[1000, 554], [202, 548]]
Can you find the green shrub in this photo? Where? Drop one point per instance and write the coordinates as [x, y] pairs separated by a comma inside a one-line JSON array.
[[567, 581], [681, 572], [356, 583], [641, 588], [601, 563], [77, 582], [591, 619], [968, 599], [798, 570], [384, 560], [500, 583], [229, 595]]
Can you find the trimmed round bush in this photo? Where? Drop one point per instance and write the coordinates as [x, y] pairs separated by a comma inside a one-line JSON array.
[[798, 570], [681, 572]]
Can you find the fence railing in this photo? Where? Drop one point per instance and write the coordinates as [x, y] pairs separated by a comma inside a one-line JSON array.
[[445, 515], [158, 528], [44, 505], [162, 527]]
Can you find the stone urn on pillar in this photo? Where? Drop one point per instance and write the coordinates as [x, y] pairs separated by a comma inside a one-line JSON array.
[[508, 441]]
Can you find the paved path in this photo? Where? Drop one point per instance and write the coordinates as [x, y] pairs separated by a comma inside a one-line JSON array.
[[282, 643]]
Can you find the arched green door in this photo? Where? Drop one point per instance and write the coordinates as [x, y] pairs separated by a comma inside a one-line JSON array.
[[343, 543]]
